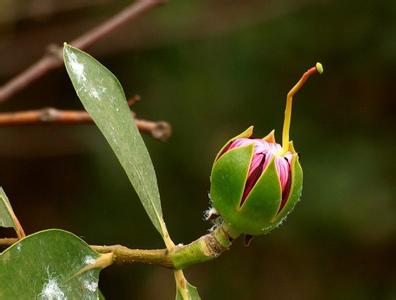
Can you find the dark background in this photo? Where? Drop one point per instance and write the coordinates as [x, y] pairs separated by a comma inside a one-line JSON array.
[[211, 69]]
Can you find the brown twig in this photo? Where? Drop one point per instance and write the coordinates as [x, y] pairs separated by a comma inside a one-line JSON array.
[[52, 59], [18, 227], [5, 242], [133, 100], [158, 129]]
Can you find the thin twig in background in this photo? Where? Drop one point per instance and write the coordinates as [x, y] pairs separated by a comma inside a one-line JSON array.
[[6, 242], [52, 59], [160, 130]]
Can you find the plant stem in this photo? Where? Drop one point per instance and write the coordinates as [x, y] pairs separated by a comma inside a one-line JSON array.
[[124, 255], [205, 248], [181, 284]]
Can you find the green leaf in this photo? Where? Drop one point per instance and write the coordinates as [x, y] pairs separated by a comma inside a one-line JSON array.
[[192, 293], [6, 212], [102, 96], [7, 215], [51, 264]]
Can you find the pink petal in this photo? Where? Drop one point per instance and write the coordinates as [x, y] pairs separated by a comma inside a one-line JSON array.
[[263, 153]]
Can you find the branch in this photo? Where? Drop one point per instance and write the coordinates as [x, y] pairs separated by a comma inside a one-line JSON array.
[[5, 242], [124, 255], [158, 129], [52, 59], [206, 248]]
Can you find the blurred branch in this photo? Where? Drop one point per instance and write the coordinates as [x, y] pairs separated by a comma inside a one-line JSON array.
[[158, 129], [52, 59], [5, 242], [206, 19], [35, 9]]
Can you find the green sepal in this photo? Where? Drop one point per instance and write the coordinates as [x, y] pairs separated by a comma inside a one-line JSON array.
[[245, 134], [228, 178], [262, 203], [295, 191]]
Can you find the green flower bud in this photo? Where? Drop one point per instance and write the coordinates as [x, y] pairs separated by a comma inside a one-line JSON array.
[[255, 183], [252, 187]]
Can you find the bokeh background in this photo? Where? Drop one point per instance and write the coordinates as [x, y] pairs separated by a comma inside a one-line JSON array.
[[211, 69]]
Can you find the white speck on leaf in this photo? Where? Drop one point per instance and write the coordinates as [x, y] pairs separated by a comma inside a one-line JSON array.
[[77, 67], [91, 286], [52, 291], [94, 93], [19, 247], [89, 260]]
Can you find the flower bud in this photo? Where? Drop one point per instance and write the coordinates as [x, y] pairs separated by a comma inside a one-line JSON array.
[[253, 187], [255, 183]]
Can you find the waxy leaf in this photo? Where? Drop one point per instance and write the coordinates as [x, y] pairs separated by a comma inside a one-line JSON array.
[[51, 264], [7, 215], [103, 97]]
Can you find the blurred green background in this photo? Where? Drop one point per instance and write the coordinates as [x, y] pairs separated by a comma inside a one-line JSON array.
[[211, 69]]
